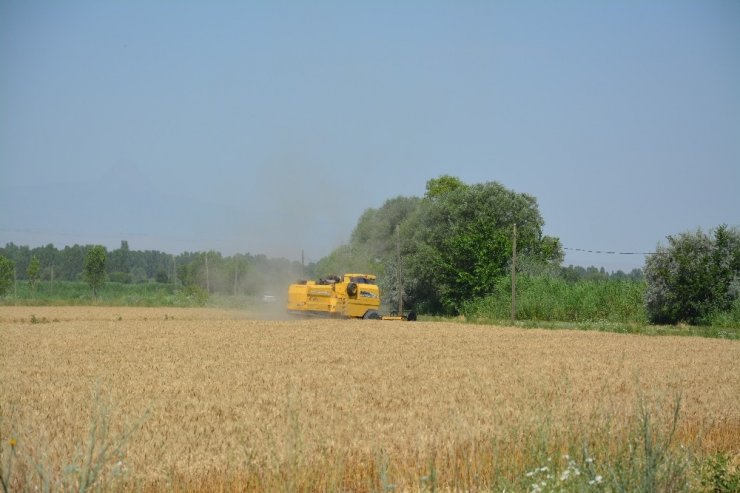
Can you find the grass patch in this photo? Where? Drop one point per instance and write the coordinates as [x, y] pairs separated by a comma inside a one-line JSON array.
[[69, 293], [600, 326], [624, 328]]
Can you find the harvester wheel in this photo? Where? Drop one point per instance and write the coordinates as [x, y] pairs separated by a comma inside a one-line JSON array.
[[372, 315], [411, 316], [351, 289]]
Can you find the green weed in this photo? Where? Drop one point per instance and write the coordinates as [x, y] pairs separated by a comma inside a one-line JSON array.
[[719, 475]]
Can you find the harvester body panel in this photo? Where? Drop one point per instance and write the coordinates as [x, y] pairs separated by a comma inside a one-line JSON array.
[[351, 296]]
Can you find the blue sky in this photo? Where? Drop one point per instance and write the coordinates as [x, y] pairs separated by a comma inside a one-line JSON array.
[[269, 127]]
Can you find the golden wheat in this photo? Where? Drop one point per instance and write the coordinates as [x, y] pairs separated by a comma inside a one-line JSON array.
[[226, 402]]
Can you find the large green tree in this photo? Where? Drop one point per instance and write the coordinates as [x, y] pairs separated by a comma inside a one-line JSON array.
[[455, 243], [460, 242], [94, 267], [694, 276]]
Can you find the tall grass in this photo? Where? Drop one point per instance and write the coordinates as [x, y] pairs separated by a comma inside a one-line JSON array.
[[609, 305], [77, 293], [111, 294], [545, 298]]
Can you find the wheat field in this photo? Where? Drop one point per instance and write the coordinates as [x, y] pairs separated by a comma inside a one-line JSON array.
[[197, 399]]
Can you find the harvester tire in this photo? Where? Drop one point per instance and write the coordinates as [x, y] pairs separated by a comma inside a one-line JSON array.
[[351, 289], [411, 316], [372, 315]]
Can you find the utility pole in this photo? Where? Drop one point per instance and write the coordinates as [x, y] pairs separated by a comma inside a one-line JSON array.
[[236, 273], [208, 282], [513, 277], [400, 281]]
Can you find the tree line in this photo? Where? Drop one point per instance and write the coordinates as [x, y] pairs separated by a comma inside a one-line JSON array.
[[240, 274], [67, 264]]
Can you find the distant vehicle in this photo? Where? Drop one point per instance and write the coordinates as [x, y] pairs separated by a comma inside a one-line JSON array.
[[349, 296]]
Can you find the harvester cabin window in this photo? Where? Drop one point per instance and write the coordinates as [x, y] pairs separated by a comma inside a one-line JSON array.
[[362, 280]]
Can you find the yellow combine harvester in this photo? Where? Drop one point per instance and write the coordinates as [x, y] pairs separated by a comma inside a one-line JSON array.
[[349, 296]]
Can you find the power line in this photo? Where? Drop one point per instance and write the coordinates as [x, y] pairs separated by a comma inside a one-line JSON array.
[[606, 252]]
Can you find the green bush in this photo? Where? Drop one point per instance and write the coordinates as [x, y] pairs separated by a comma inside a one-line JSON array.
[[717, 475], [694, 278], [727, 319], [196, 295]]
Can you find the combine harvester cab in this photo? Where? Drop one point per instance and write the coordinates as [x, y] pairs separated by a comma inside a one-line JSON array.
[[349, 296]]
